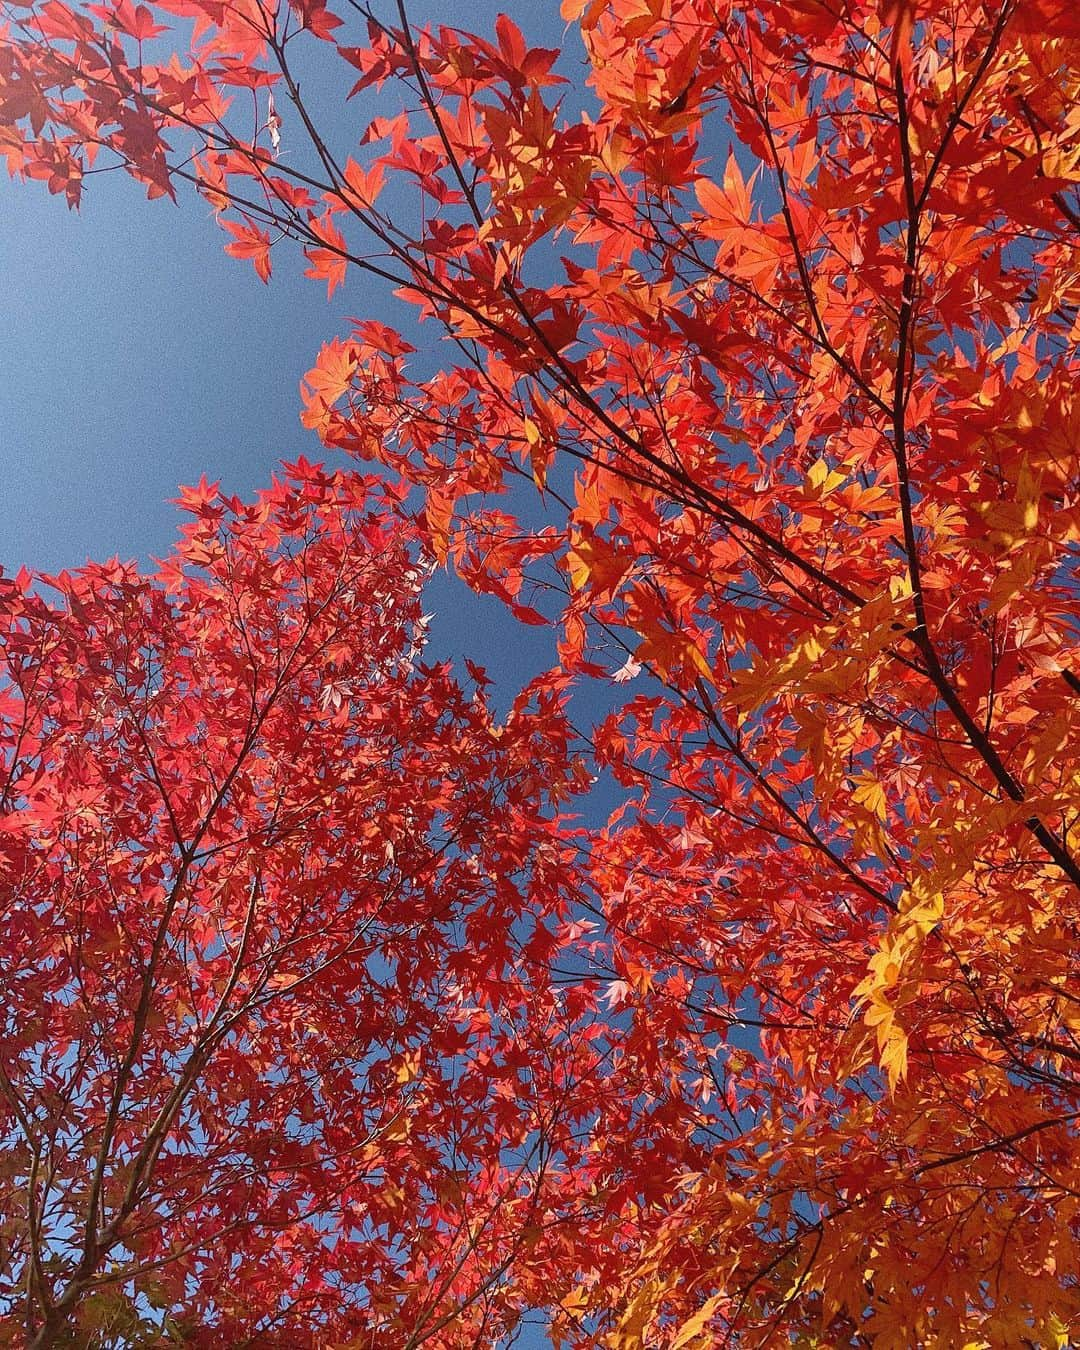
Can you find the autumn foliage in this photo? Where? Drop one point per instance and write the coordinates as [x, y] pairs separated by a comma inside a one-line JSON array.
[[764, 397], [269, 889]]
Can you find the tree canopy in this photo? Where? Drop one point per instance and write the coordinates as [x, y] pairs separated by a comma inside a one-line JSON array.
[[763, 380]]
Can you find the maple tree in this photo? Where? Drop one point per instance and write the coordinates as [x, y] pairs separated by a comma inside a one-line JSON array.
[[766, 359], [276, 1058]]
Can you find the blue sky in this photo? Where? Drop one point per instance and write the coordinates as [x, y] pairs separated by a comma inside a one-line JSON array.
[[137, 357]]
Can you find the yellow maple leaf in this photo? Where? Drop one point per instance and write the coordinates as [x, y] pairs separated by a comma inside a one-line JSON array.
[[538, 454], [692, 1328], [894, 1056], [869, 793]]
